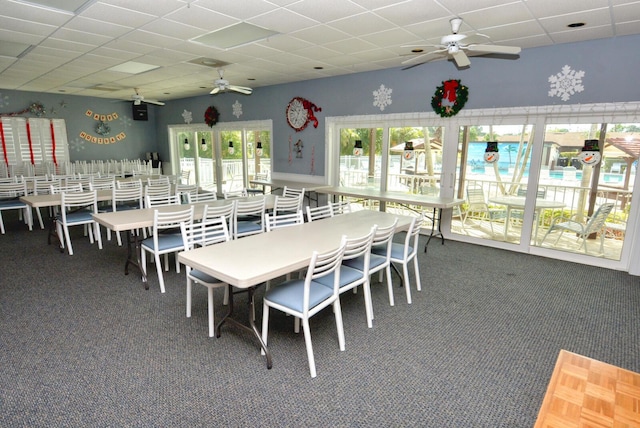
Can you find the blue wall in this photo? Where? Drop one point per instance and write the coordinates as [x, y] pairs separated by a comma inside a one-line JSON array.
[[611, 72]]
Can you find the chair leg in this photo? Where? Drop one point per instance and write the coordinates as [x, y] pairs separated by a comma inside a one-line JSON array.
[[210, 310], [98, 235], [307, 341], [67, 239], [40, 218], [417, 270], [159, 270], [389, 286], [189, 286], [225, 300], [1, 223], [407, 282], [368, 304], [265, 324], [337, 310]]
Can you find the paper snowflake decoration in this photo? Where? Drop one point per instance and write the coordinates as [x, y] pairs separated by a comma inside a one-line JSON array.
[[76, 144], [566, 83], [4, 100], [125, 121], [187, 116], [237, 109], [382, 97]]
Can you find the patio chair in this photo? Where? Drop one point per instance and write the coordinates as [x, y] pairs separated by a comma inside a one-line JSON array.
[[318, 213], [9, 200], [478, 207], [595, 224]]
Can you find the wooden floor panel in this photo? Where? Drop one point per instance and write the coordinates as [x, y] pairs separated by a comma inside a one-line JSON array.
[[586, 393]]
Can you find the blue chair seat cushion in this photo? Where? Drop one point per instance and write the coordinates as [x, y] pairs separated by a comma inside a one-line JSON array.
[[203, 278], [11, 204], [397, 250], [165, 242], [375, 260], [290, 294], [248, 226], [347, 276], [82, 216]]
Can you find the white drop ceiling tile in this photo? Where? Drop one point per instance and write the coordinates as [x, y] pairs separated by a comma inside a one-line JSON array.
[[118, 15], [320, 34], [99, 59], [627, 28], [256, 50], [376, 4], [361, 24], [152, 39], [434, 29], [378, 55], [513, 12], [626, 13], [413, 12], [81, 36], [283, 21], [153, 7], [205, 19], [96, 26], [575, 36], [326, 10], [18, 37], [317, 52], [592, 18], [241, 10], [529, 42], [285, 43], [462, 6], [390, 39], [115, 54], [54, 55], [549, 8], [287, 58], [504, 32], [33, 13], [195, 50], [349, 46], [172, 29], [23, 26], [67, 45], [129, 46]]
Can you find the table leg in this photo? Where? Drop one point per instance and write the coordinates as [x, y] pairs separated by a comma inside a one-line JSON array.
[[436, 217], [133, 246], [252, 325]]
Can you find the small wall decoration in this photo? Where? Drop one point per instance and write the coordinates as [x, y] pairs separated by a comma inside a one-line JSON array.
[[187, 116], [590, 154], [102, 128], [300, 113], [36, 109], [237, 109], [566, 83], [450, 98], [491, 154], [382, 97], [298, 149], [211, 116]]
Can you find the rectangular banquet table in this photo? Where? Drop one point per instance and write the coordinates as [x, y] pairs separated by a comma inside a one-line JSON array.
[[247, 262]]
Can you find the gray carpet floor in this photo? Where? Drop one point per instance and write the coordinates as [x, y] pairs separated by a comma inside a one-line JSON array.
[[81, 344]]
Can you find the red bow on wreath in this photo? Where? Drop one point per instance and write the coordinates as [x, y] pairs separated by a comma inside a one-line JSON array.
[[311, 107], [450, 87]]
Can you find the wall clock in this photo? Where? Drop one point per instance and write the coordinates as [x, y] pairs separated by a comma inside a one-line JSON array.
[[297, 114]]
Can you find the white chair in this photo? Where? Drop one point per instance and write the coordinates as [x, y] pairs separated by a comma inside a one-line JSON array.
[[249, 217], [229, 194], [358, 248], [77, 208], [194, 198], [151, 201], [303, 298], [184, 190], [479, 208], [162, 180], [318, 213], [283, 220], [165, 240], [123, 199], [382, 239], [404, 253], [340, 207], [291, 192], [9, 200], [595, 224], [207, 232], [121, 184], [102, 183], [287, 204]]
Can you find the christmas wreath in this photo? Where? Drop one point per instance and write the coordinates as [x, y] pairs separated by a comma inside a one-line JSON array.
[[211, 116], [455, 93]]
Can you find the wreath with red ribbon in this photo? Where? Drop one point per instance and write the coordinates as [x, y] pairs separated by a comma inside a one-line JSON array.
[[211, 116], [455, 93]]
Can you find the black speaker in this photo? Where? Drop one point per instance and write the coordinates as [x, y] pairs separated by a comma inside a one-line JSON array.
[[140, 112]]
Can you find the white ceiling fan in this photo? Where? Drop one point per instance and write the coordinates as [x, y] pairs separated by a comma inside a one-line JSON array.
[[139, 99], [223, 85], [456, 45]]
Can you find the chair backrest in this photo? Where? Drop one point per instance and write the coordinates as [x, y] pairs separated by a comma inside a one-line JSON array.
[[70, 188], [248, 211], [360, 246], [320, 212], [194, 198], [476, 197], [9, 190], [384, 237], [43, 187], [170, 220], [160, 200], [102, 183], [322, 265], [207, 232], [228, 194], [121, 184], [72, 201], [226, 210], [289, 192], [287, 204], [184, 176], [85, 182], [411, 238], [340, 207], [283, 220], [164, 179], [157, 189], [597, 221], [127, 194]]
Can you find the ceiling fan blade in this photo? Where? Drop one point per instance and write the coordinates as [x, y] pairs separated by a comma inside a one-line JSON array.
[[241, 89], [158, 103], [509, 50], [461, 59], [214, 91], [418, 57]]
